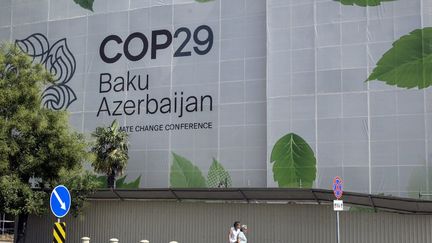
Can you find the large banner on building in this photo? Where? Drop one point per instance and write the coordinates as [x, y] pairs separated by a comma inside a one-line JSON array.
[[349, 84], [244, 93], [186, 80]]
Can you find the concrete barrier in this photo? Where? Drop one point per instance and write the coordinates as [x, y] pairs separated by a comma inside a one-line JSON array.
[[85, 240], [113, 240]]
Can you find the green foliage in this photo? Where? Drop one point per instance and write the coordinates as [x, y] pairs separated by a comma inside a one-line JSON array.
[[87, 4], [361, 209], [102, 181], [81, 183], [363, 3], [408, 63], [16, 197], [218, 176], [417, 182], [131, 185], [184, 174], [294, 162], [111, 151], [35, 142], [120, 183]]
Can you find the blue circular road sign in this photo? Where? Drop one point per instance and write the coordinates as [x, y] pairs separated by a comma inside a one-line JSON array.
[[60, 201], [338, 187]]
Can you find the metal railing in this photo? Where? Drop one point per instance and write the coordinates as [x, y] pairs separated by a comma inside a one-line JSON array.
[[3, 223]]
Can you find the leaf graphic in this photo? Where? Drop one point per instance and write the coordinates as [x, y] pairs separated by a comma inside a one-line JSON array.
[[36, 46], [294, 162], [363, 3], [61, 62], [408, 63], [87, 4], [131, 185], [58, 97], [102, 180], [120, 181], [184, 174], [218, 176]]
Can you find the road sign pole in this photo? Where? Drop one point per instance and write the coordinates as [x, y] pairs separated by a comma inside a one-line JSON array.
[[337, 204], [337, 228], [60, 201], [59, 233]]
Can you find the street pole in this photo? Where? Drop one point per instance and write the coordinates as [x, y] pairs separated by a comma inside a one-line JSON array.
[[3, 224], [337, 228]]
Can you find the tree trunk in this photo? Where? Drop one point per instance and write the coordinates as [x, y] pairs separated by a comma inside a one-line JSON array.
[[20, 228], [111, 180]]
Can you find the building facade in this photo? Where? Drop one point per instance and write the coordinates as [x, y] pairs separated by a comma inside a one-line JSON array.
[[244, 93]]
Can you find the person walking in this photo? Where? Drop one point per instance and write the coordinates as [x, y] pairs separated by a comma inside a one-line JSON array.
[[233, 232], [241, 238]]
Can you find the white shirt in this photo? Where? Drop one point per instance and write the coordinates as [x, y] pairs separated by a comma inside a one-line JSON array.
[[242, 237], [233, 235]]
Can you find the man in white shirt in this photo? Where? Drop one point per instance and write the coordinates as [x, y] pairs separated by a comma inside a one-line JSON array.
[[233, 233], [241, 238]]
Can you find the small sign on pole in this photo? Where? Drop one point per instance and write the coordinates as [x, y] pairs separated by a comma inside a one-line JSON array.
[[60, 201], [337, 187], [59, 232], [337, 204]]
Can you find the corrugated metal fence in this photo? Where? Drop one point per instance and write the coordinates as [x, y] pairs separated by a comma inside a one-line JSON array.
[[198, 222]]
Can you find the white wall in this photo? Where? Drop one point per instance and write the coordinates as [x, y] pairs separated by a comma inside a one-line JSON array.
[[209, 222]]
